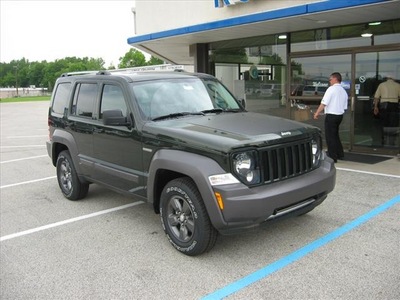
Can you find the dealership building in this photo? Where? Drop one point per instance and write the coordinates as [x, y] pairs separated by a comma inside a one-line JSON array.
[[278, 54]]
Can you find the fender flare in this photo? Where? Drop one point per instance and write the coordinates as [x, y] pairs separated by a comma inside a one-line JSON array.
[[195, 166], [65, 138]]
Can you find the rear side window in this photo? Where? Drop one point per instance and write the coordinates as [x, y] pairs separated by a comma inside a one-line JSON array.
[[61, 96], [112, 98], [84, 100]]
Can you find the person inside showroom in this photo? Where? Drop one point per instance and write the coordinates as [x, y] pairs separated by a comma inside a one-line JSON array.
[[386, 106]]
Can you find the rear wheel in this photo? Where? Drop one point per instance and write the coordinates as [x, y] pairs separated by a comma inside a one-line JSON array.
[[70, 185], [185, 219]]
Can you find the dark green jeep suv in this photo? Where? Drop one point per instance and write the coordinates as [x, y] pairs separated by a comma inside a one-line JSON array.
[[182, 142]]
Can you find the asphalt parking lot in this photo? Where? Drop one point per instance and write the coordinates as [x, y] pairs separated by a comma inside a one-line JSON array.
[[108, 246]]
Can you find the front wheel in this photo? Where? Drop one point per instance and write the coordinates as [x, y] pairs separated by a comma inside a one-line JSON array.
[[70, 185], [185, 219]]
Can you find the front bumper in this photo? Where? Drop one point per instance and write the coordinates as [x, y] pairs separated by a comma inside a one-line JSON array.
[[246, 207]]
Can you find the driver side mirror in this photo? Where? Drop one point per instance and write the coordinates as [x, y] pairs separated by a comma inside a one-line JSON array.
[[115, 118]]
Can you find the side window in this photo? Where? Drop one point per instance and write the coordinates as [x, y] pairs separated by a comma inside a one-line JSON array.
[[112, 98], [61, 95], [84, 99]]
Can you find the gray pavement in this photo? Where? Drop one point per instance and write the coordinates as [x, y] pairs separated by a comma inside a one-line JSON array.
[[108, 246]]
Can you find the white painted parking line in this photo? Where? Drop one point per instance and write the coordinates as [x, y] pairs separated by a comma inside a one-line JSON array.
[[84, 217], [26, 182], [25, 158], [27, 146], [25, 136], [367, 172]]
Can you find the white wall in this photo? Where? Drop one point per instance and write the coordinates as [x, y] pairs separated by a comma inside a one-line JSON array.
[[156, 16]]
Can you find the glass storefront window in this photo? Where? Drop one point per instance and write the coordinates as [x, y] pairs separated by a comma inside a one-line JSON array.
[[254, 69], [387, 39], [257, 69], [359, 35]]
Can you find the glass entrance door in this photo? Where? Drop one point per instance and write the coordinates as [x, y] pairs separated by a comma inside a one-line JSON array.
[[370, 133], [309, 79]]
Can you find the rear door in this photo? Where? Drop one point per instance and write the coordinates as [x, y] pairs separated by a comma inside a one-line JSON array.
[[80, 123]]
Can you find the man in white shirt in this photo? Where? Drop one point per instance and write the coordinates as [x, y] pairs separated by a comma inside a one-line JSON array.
[[334, 103]]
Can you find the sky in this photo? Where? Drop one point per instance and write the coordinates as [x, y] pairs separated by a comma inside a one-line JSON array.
[[54, 29]]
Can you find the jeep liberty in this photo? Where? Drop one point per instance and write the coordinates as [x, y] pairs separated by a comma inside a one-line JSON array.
[[183, 143]]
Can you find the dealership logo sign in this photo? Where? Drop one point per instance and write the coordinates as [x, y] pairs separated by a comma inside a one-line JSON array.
[[222, 3]]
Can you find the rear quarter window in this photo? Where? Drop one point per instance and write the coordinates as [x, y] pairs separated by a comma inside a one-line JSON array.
[[61, 97]]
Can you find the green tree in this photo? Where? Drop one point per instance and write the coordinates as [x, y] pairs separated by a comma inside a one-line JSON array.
[[155, 61], [14, 73], [44, 74], [95, 63], [53, 70], [234, 55], [35, 73], [7, 78], [132, 58]]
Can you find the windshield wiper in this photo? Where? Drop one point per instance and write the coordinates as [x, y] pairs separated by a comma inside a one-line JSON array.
[[214, 110], [219, 110], [179, 114]]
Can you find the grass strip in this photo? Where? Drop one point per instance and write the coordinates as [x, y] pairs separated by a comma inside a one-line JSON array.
[[25, 99]]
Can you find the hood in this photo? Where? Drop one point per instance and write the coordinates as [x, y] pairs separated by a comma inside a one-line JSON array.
[[226, 131]]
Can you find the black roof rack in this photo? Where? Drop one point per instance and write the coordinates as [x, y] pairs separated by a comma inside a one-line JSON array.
[[103, 72], [79, 73], [165, 67]]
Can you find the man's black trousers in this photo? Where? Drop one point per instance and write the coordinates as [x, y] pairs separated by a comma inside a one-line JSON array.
[[335, 148]]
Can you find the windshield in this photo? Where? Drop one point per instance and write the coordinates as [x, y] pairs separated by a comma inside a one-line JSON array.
[[165, 97]]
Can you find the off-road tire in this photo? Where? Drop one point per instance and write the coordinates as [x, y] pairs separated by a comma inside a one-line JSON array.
[[70, 185], [184, 218]]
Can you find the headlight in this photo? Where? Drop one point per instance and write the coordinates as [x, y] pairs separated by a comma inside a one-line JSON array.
[[246, 168], [316, 151]]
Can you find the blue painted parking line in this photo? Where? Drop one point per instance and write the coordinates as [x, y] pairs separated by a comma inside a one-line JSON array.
[[294, 256]]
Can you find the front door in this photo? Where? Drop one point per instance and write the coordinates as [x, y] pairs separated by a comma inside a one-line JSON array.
[[371, 133], [309, 79]]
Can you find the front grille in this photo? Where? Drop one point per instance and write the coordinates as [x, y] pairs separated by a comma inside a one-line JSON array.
[[286, 161]]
